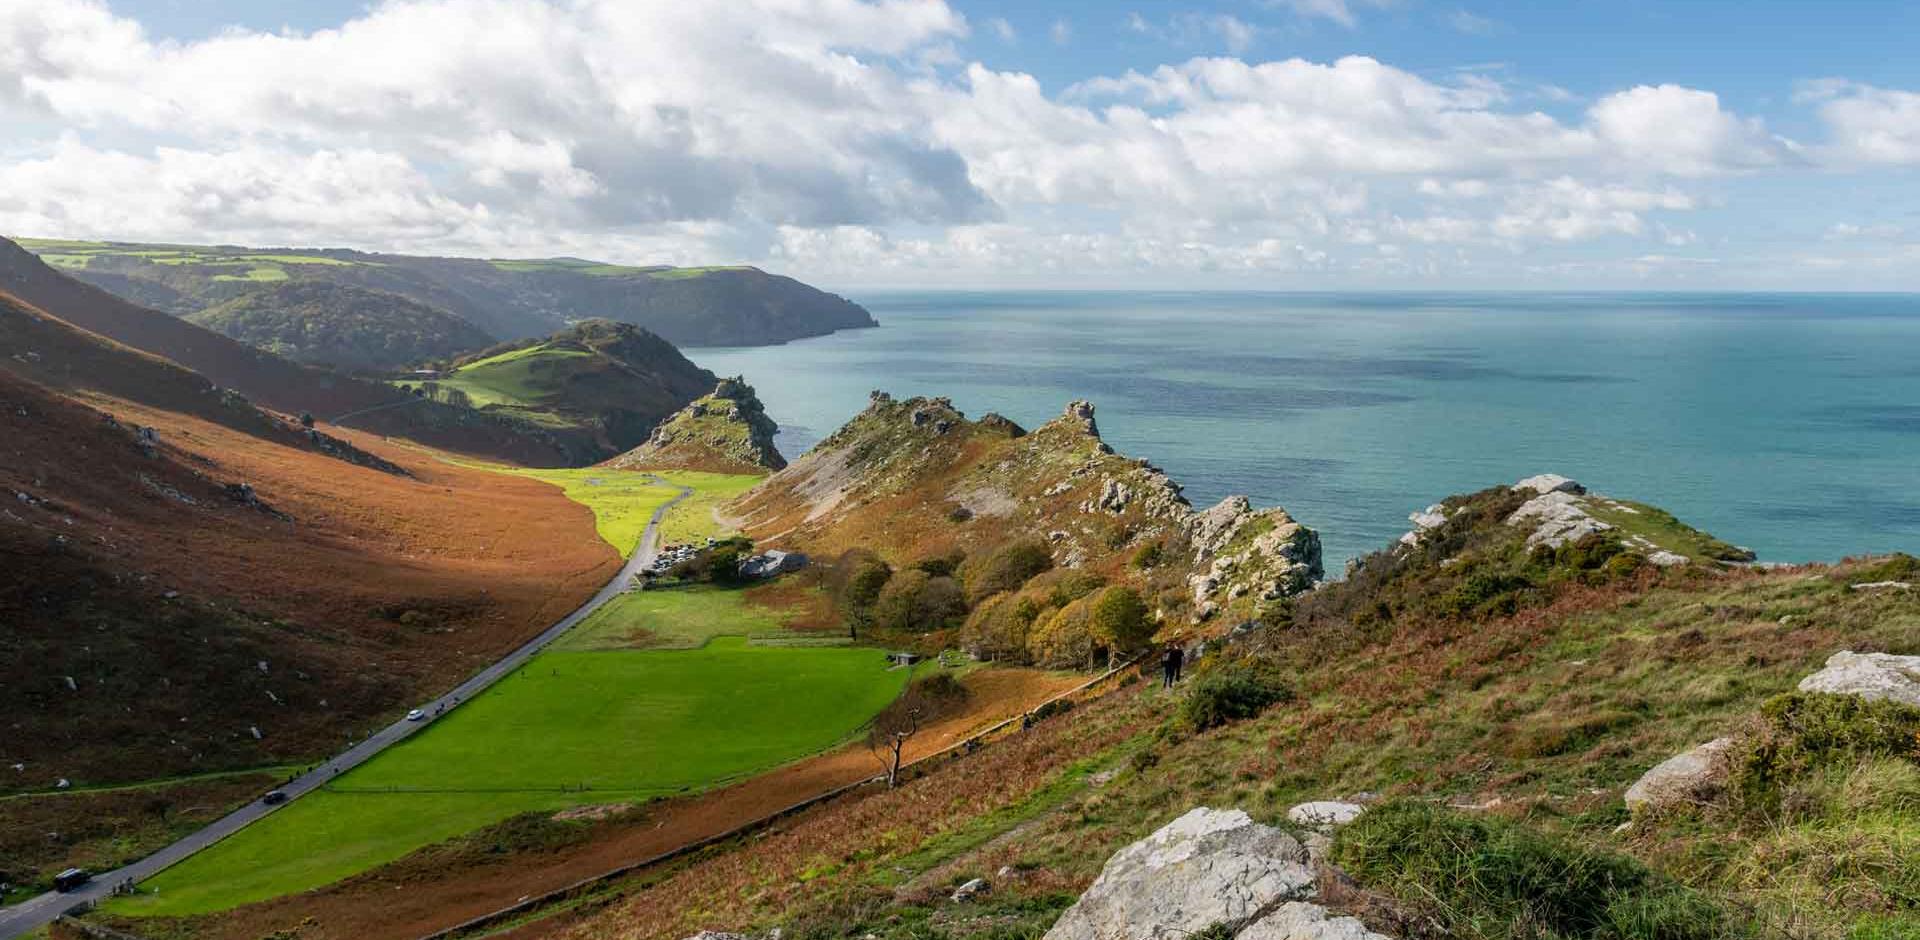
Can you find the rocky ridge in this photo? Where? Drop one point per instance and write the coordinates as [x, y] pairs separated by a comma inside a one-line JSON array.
[[937, 479], [727, 431]]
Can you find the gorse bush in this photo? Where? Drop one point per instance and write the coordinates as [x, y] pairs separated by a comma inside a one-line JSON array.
[[1801, 732], [1233, 692], [1488, 877]]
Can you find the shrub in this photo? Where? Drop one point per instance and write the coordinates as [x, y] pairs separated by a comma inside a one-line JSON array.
[[942, 565], [1489, 877], [857, 581], [1119, 619], [917, 601], [1484, 592], [1065, 587], [1234, 692], [1149, 556], [1005, 568], [1803, 731], [999, 627], [1065, 640]]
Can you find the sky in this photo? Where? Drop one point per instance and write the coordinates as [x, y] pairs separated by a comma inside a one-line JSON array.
[[1241, 144]]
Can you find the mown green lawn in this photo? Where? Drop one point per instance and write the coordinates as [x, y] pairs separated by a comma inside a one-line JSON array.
[[672, 618], [569, 728]]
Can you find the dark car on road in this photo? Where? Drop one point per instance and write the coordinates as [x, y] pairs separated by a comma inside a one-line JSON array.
[[70, 879], [274, 797]]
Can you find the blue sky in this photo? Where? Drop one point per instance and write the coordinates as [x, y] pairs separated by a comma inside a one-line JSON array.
[[1266, 143]]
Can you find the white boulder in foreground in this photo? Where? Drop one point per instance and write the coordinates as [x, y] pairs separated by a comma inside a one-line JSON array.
[[1208, 867], [1298, 920], [1693, 776], [1871, 676]]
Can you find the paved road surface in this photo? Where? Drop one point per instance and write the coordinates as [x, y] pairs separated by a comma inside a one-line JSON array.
[[41, 910]]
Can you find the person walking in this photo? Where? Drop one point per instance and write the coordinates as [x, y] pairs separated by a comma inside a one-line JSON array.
[[1170, 664]]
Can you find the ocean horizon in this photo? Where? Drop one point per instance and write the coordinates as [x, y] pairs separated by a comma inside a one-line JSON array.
[[1787, 422]]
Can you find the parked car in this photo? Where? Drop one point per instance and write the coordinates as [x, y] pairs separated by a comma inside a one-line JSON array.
[[274, 797], [416, 715]]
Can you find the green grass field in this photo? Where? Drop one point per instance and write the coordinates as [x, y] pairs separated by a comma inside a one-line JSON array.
[[570, 728], [672, 618], [622, 500], [510, 379], [692, 520]]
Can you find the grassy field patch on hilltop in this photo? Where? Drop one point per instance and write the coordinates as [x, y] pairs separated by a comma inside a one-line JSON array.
[[569, 728]]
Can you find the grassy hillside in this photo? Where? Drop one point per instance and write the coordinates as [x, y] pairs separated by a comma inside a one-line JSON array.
[[266, 378], [609, 382], [343, 326], [1499, 697], [698, 306]]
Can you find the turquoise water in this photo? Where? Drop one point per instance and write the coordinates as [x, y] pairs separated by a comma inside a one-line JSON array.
[[1786, 423]]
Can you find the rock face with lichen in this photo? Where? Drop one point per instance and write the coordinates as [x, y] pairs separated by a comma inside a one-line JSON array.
[[1240, 552], [1213, 869], [916, 476], [727, 431]]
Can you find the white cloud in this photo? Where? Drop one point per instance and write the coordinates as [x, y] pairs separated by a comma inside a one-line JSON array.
[[1472, 24], [843, 136], [1683, 131], [1867, 125], [1339, 11], [1061, 32]]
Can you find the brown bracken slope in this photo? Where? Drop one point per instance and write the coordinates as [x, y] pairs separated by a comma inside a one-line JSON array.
[[259, 375], [159, 613]]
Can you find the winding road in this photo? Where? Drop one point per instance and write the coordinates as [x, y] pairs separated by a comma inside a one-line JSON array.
[[41, 910]]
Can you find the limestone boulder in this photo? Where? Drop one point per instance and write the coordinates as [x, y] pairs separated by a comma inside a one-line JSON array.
[[1871, 676], [1299, 920], [1694, 776], [1207, 867]]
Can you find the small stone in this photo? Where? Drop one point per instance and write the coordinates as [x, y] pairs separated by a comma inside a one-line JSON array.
[[1325, 814], [1691, 777], [970, 890]]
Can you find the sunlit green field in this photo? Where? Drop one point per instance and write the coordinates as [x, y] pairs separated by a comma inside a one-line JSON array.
[[671, 618], [622, 500], [570, 728]]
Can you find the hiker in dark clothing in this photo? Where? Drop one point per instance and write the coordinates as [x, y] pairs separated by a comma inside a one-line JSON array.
[[1170, 664]]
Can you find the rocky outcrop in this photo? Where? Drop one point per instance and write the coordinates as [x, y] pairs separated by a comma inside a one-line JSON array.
[[1695, 776], [1209, 868], [727, 431], [953, 483], [1556, 517], [1239, 551], [1871, 676]]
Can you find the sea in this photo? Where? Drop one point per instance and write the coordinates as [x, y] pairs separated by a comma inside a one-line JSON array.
[[1787, 423]]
